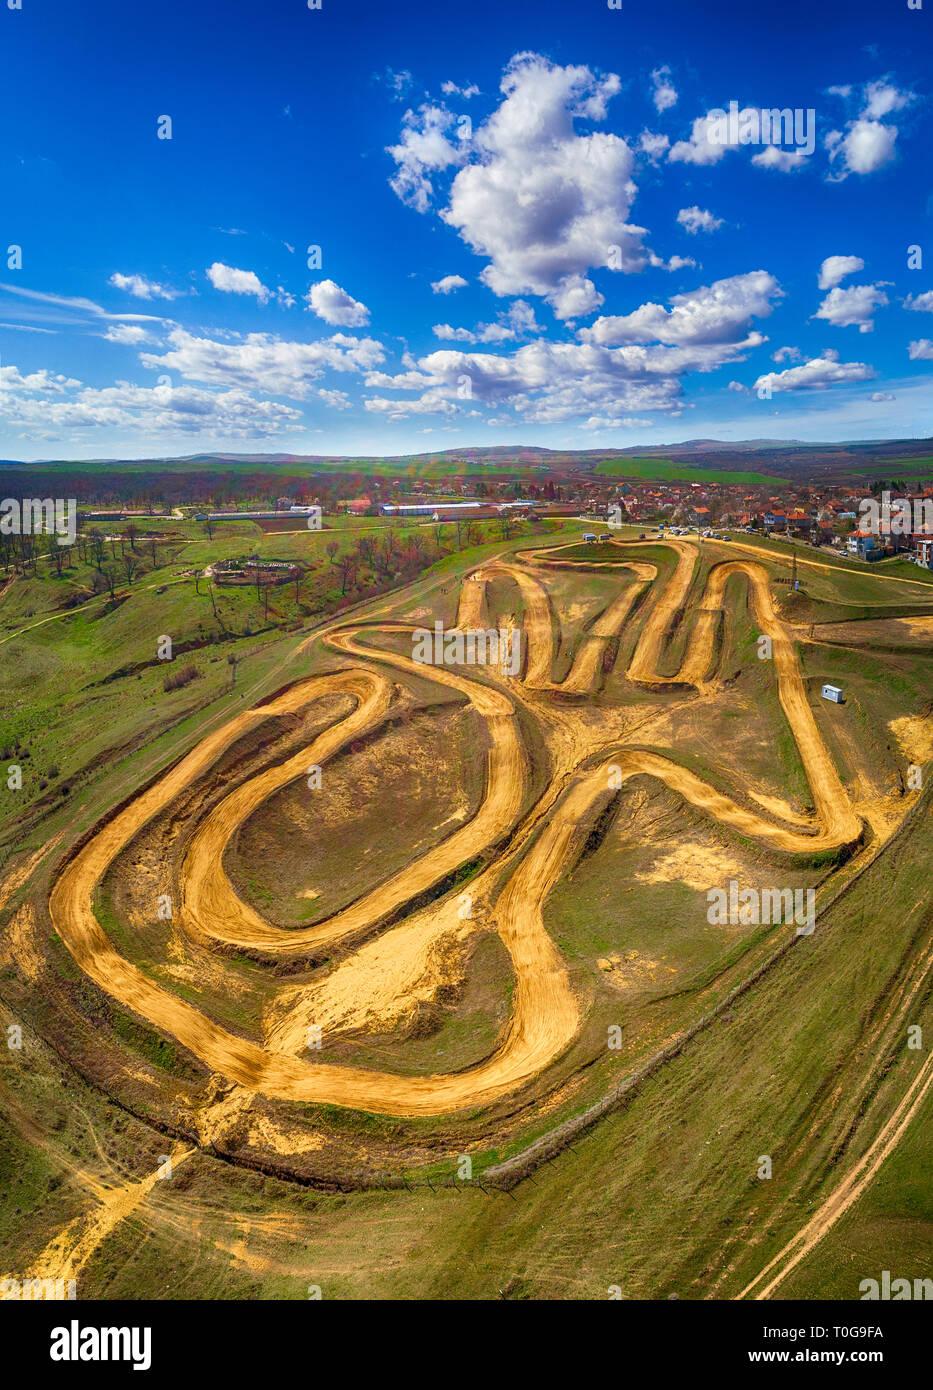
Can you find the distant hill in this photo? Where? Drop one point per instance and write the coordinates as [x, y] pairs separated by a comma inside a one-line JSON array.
[[751, 462]]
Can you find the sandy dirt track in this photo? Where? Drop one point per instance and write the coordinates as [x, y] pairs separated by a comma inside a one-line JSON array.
[[546, 1015], [211, 906]]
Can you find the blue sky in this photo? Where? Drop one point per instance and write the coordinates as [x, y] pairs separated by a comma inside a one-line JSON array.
[[533, 225]]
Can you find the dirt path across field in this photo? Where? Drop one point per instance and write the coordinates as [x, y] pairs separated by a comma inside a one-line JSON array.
[[849, 1190]]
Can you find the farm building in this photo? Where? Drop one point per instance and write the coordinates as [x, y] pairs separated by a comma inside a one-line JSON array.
[[833, 693]]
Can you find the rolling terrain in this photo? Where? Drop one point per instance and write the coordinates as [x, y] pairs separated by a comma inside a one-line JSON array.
[[525, 994]]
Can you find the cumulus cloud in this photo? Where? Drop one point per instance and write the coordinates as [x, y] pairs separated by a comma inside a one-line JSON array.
[[653, 144], [816, 375], [920, 303], [540, 202], [882, 396], [787, 354], [704, 144], [262, 361], [882, 97], [233, 281], [448, 283], [518, 321], [867, 142], [717, 315], [784, 138], [335, 306], [698, 220], [548, 382], [142, 288], [337, 400], [675, 262], [864, 147], [785, 161], [835, 269], [920, 350], [424, 148], [162, 409], [43, 381], [664, 93], [622, 368], [852, 307]]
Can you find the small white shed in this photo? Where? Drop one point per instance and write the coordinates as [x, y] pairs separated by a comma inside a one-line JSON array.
[[834, 693]]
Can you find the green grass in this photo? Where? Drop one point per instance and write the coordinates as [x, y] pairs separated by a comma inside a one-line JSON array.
[[664, 470]]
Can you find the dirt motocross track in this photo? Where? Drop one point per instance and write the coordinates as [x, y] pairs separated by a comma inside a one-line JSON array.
[[546, 1014]]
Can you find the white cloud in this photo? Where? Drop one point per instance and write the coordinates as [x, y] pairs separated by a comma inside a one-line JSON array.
[[664, 92], [881, 98], [865, 146], [156, 410], [232, 281], [816, 374], [264, 362], [787, 354], [675, 262], [335, 306], [423, 149], [836, 268], [696, 219], [867, 143], [129, 334], [448, 283], [142, 288], [540, 202], [575, 297], [545, 382], [851, 307], [705, 144], [518, 321], [398, 82], [882, 396], [920, 350], [42, 307], [49, 383], [716, 315], [451, 89], [653, 144], [337, 400], [785, 161], [607, 422], [920, 303]]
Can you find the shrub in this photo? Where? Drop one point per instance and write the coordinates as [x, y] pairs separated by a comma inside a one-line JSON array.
[[183, 676]]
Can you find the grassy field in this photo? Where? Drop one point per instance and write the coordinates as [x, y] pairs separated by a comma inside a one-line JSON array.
[[661, 1197], [685, 1216], [665, 470]]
